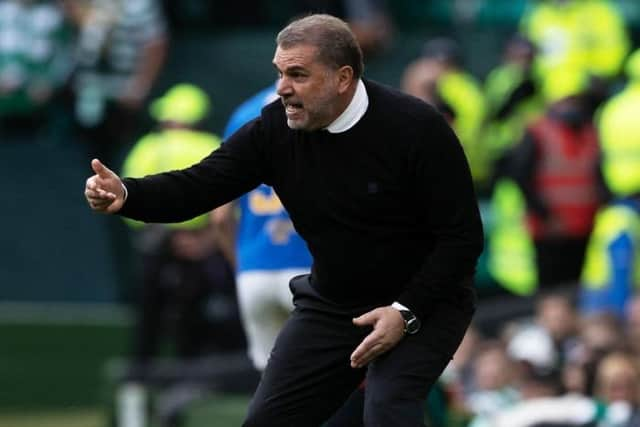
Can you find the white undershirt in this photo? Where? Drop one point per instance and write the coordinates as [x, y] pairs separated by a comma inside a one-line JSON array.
[[354, 111]]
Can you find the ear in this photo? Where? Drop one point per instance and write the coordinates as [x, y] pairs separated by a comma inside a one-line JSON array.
[[345, 78]]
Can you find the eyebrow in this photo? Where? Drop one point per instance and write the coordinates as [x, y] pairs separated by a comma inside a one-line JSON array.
[[290, 69]]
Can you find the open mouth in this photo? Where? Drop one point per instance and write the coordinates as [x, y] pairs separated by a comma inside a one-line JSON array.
[[292, 108]]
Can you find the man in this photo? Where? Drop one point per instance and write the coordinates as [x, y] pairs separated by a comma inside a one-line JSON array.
[[377, 184], [556, 167], [268, 250]]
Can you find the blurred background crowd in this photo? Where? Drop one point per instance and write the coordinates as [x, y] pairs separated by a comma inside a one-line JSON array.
[[107, 322]]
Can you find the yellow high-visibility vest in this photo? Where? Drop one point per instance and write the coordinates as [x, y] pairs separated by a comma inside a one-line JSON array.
[[587, 35], [610, 222], [167, 150], [511, 255], [619, 128]]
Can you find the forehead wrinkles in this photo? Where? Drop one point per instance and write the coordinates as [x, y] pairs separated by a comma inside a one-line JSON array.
[[304, 56]]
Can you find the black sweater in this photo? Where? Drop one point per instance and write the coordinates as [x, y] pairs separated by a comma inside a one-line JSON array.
[[387, 207]]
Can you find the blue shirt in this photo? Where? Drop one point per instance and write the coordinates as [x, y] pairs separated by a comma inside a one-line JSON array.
[[266, 239], [621, 252]]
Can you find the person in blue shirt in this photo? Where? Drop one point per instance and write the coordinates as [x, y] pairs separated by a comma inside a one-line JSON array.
[[269, 252], [611, 273]]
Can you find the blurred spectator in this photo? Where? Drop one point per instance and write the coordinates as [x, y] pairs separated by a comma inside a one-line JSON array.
[[618, 386], [269, 251], [632, 312], [556, 314], [369, 20], [35, 61], [618, 379], [493, 375], [121, 48], [556, 167], [532, 347], [588, 36], [599, 335], [614, 405], [611, 272], [511, 258], [620, 135], [187, 277], [513, 99], [437, 77]]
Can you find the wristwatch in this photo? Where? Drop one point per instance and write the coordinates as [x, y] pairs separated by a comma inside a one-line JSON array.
[[411, 322]]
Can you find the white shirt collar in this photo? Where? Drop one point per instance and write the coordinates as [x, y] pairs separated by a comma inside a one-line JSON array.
[[354, 111]]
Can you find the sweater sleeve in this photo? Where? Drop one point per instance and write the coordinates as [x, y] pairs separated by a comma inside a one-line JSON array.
[[444, 187], [236, 167]]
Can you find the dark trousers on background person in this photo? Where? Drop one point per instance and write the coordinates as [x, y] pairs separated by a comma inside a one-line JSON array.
[[560, 260], [308, 376]]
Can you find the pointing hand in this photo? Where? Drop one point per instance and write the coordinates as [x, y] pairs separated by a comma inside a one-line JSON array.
[[104, 191]]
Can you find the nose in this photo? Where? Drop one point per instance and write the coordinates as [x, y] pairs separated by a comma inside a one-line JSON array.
[[283, 87]]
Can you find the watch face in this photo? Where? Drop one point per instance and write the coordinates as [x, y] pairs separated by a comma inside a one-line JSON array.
[[411, 322], [413, 326]]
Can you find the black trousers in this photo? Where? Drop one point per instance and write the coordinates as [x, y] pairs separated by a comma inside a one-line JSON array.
[[308, 376]]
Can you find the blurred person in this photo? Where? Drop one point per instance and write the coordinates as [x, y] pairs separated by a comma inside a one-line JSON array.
[[188, 288], [574, 378], [457, 382], [121, 48], [599, 334], [614, 403], [556, 313], [568, 410], [611, 272], [618, 386], [619, 133], [438, 78], [459, 372], [493, 390], [632, 323], [368, 255], [588, 36], [35, 62], [533, 351], [512, 91], [556, 167], [269, 252], [369, 20], [511, 255]]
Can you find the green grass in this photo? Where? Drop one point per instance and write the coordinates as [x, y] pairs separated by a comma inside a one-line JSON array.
[[70, 418], [53, 375], [218, 411], [52, 367]]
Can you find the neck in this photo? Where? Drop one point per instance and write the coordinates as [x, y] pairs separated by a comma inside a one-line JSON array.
[[345, 98]]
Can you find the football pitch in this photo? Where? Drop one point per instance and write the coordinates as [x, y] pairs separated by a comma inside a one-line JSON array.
[[53, 371]]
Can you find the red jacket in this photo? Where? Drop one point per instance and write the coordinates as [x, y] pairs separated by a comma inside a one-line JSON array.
[[565, 178]]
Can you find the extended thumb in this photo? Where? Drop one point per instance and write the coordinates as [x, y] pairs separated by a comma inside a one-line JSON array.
[[101, 170]]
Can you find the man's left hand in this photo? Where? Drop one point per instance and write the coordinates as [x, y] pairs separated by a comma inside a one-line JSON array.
[[388, 330]]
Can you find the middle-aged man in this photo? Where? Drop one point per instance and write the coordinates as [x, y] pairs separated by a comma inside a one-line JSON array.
[[377, 184]]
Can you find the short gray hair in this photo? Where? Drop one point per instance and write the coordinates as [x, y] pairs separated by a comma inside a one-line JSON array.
[[337, 45]]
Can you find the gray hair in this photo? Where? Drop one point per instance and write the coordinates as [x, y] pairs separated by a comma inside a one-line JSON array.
[[337, 45]]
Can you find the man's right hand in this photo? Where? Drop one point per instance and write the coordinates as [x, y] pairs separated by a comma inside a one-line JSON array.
[[104, 190]]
